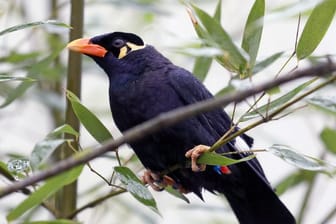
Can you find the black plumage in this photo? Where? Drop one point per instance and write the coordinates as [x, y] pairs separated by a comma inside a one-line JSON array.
[[144, 84]]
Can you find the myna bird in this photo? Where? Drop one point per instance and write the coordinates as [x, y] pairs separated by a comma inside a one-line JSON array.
[[144, 84]]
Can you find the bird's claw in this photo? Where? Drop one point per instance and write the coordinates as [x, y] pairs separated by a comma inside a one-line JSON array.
[[194, 154], [159, 183]]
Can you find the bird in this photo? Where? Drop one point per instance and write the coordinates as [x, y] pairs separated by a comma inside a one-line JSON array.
[[144, 84]]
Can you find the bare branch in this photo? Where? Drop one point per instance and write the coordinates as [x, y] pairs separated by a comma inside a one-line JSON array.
[[168, 119]]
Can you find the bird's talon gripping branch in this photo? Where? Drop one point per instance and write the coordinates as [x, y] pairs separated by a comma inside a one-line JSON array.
[[194, 154], [159, 183], [154, 180]]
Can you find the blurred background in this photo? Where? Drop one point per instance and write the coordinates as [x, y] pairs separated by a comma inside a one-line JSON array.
[[166, 25]]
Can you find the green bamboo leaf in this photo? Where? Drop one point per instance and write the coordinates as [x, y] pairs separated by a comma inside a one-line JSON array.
[[201, 67], [16, 57], [293, 180], [275, 104], [214, 159], [299, 160], [176, 193], [315, 28], [326, 104], [253, 31], [56, 221], [33, 73], [43, 150], [266, 62], [33, 24], [7, 78], [63, 129], [136, 187], [92, 124], [5, 172], [328, 136], [214, 35], [218, 12], [50, 187]]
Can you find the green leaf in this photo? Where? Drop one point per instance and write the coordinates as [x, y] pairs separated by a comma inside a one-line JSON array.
[[56, 221], [51, 186], [43, 150], [214, 35], [135, 187], [201, 67], [7, 78], [266, 62], [293, 180], [63, 129], [176, 193], [326, 104], [299, 160], [328, 137], [214, 159], [16, 57], [5, 172], [33, 73], [253, 31], [315, 28], [275, 104], [33, 24], [218, 12], [92, 124]]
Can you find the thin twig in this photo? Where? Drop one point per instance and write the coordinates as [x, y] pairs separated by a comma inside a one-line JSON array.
[[166, 120]]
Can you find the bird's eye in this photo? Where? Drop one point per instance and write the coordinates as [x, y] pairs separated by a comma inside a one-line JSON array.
[[118, 43]]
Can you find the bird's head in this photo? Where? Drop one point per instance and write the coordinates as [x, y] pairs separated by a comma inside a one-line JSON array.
[[118, 44]]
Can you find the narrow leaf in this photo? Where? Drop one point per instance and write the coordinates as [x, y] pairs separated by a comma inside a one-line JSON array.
[[253, 31], [214, 159], [43, 150], [266, 62], [33, 24], [328, 137], [275, 104], [315, 28], [176, 193], [56, 221], [92, 124], [299, 160], [7, 78], [201, 67], [218, 12], [33, 73], [42, 193], [63, 129], [293, 180], [216, 36], [16, 93], [5, 172], [135, 187], [327, 104]]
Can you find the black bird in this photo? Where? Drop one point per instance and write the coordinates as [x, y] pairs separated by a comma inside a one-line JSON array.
[[144, 84]]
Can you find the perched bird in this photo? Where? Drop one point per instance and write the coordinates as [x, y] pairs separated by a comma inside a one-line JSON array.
[[144, 84]]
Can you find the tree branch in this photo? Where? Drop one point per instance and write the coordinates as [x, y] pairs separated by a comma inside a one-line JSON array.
[[168, 119]]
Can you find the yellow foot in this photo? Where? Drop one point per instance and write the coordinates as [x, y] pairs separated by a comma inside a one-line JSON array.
[[194, 153]]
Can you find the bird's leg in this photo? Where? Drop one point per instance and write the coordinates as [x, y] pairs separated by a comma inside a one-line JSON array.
[[159, 183], [154, 180], [193, 154]]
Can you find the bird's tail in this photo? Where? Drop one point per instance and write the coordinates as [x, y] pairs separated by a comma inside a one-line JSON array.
[[253, 200]]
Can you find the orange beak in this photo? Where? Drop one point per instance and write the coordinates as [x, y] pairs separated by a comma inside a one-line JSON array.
[[84, 46]]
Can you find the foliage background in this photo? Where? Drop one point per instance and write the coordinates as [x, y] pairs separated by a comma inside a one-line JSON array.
[[166, 25]]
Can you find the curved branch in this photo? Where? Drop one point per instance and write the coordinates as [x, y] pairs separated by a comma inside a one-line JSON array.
[[168, 119]]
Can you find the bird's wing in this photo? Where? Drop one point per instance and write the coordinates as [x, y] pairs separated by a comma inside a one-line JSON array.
[[217, 122]]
